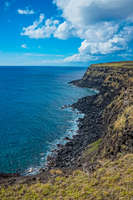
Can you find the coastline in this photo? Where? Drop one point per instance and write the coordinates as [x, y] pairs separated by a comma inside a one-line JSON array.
[[101, 155], [57, 145], [63, 157], [62, 143], [69, 154], [68, 157], [101, 115]]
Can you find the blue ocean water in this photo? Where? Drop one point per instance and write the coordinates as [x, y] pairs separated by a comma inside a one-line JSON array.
[[31, 121]]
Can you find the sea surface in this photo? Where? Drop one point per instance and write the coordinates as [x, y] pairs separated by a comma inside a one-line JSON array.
[[31, 119]]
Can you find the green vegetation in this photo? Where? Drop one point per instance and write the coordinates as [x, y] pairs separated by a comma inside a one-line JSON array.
[[120, 123], [90, 152], [127, 64], [92, 148], [127, 115], [111, 181]]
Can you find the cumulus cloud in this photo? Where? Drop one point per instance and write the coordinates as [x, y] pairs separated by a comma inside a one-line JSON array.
[[65, 31], [105, 39], [108, 44], [86, 12], [38, 30], [99, 48], [99, 33], [104, 26], [25, 12]]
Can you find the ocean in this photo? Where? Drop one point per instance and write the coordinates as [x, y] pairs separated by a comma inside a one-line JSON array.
[[32, 122]]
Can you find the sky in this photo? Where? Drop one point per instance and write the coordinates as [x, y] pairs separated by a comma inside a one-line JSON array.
[[65, 32]]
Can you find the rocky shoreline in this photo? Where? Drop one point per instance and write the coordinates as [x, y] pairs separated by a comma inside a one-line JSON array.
[[67, 157], [89, 130]]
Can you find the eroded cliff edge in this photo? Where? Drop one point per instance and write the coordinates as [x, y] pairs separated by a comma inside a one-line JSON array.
[[115, 100], [108, 121]]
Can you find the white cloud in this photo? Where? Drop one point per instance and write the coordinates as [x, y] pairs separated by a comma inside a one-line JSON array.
[[75, 58], [25, 12], [98, 33], [30, 54], [99, 23], [65, 31], [103, 25], [38, 30], [24, 46], [86, 12], [80, 58], [125, 55], [42, 55], [27, 54], [99, 48]]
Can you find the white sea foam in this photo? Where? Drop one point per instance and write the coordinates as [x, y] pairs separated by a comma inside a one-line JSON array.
[[69, 132], [32, 171]]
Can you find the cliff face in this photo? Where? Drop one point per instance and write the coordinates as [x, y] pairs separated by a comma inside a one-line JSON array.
[[108, 117], [115, 84]]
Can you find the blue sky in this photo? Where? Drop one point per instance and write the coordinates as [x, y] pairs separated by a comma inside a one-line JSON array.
[[65, 32]]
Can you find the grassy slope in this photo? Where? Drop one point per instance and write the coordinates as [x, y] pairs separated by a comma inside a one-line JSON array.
[[127, 64], [113, 180]]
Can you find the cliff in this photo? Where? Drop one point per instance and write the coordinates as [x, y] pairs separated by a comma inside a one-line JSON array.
[[115, 84], [98, 162]]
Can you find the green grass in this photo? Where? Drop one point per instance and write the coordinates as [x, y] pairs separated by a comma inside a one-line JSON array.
[[90, 151], [127, 64], [93, 147], [114, 180]]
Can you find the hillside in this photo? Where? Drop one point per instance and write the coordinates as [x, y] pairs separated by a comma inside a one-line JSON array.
[[98, 162], [111, 180]]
